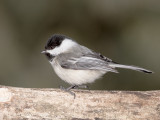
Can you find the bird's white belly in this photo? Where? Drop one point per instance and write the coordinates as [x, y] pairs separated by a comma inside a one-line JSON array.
[[77, 77]]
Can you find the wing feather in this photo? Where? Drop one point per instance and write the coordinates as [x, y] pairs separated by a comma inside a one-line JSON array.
[[86, 63]]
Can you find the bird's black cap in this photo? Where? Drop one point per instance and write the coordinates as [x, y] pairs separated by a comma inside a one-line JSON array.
[[54, 41]]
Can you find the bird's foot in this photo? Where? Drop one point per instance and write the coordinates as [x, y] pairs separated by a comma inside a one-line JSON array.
[[73, 87], [68, 90]]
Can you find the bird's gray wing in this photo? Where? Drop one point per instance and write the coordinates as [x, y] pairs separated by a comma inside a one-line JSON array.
[[91, 53], [86, 62]]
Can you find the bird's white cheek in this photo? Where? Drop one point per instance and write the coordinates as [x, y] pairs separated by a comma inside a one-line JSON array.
[[55, 51]]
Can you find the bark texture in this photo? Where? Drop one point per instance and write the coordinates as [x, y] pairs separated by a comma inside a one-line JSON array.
[[54, 104]]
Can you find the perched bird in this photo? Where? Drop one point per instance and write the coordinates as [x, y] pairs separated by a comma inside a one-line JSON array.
[[77, 64]]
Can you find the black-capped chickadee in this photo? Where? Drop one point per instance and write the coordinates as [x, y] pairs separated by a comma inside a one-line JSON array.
[[77, 64]]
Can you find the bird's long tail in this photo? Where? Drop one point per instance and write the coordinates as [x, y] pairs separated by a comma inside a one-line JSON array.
[[114, 65]]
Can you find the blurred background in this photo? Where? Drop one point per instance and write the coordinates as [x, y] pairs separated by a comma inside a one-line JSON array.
[[128, 32]]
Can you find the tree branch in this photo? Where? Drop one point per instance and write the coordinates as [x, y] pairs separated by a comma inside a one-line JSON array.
[[54, 104]]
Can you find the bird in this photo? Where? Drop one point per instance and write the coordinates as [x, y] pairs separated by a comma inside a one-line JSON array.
[[78, 65]]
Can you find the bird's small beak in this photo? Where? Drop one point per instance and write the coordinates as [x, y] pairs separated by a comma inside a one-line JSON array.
[[43, 52]]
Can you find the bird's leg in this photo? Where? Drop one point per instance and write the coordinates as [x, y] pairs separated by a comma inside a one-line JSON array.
[[81, 86], [73, 87], [68, 90]]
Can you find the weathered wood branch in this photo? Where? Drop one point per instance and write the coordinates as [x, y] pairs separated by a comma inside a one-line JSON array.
[[54, 104]]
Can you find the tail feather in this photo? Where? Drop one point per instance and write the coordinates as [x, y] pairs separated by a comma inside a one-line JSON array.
[[130, 67]]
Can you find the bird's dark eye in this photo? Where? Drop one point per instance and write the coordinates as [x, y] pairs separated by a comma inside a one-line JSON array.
[[51, 47]]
